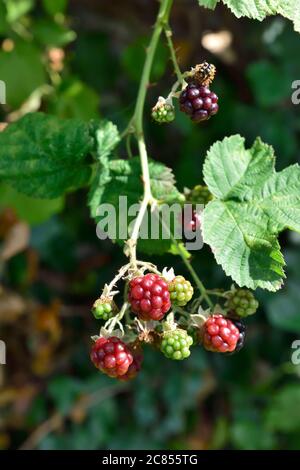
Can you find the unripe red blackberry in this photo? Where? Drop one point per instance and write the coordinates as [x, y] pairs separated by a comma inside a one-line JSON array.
[[220, 334], [176, 344], [242, 303], [199, 195], [135, 366], [181, 291], [111, 356], [149, 297], [103, 309], [198, 102]]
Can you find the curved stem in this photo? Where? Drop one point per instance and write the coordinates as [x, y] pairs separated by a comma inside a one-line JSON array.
[[168, 33]]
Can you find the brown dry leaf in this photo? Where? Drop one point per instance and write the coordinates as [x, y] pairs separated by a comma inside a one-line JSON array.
[[3, 125], [16, 241], [12, 306], [8, 219]]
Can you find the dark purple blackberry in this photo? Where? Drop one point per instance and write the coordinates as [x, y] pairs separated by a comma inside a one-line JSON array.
[[198, 102], [242, 329]]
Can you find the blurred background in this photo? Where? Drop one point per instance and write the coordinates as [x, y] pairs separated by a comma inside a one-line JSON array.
[[83, 59]]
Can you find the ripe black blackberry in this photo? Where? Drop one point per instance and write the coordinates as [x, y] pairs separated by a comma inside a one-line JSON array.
[[242, 329], [198, 102]]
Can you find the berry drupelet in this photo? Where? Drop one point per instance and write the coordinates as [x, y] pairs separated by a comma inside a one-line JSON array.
[[198, 102]]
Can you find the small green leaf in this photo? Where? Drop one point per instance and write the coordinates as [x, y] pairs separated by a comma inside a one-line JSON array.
[[208, 3], [253, 204], [107, 138], [43, 156]]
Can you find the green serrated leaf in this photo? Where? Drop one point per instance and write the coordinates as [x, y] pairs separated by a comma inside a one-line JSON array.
[[253, 204], [107, 137], [123, 178], [43, 156], [260, 9]]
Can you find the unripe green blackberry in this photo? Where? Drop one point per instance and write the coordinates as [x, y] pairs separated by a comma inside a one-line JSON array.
[[242, 303], [163, 112], [176, 344], [103, 309], [199, 195], [181, 291]]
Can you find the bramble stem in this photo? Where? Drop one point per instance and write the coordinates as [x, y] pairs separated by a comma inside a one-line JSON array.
[[137, 121], [168, 33]]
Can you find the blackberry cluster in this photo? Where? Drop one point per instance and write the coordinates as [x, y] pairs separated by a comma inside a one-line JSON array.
[[198, 102], [149, 297], [176, 344], [242, 302], [181, 291]]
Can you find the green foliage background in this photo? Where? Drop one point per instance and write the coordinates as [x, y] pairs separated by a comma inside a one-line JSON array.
[[248, 401]]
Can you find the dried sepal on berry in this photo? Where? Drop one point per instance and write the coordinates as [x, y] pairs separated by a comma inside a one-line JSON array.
[[203, 74]]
